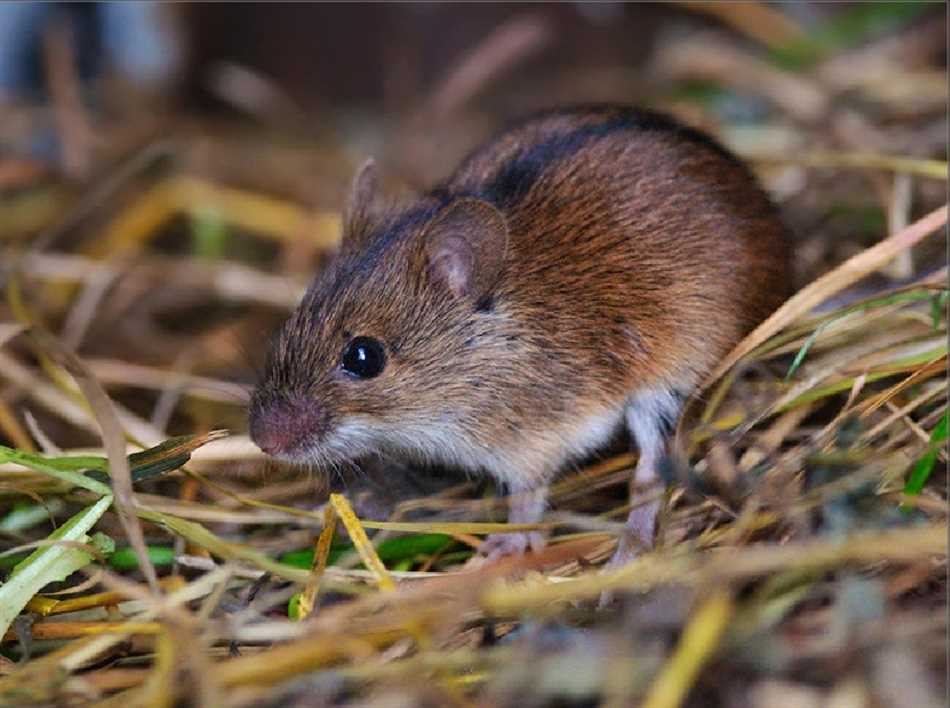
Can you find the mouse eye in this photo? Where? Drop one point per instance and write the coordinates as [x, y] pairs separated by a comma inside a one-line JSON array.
[[363, 358]]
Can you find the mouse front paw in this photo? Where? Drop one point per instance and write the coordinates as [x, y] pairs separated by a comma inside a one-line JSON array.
[[500, 545]]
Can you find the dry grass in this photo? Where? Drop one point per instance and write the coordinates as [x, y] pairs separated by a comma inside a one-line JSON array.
[[802, 553]]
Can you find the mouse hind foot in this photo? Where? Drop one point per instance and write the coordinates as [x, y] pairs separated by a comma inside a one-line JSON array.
[[651, 417], [637, 537]]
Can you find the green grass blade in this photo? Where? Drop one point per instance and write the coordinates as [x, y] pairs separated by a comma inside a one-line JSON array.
[[48, 564], [62, 468], [392, 551], [90, 472], [163, 458], [125, 558], [938, 308], [924, 467], [25, 516], [800, 356], [200, 536]]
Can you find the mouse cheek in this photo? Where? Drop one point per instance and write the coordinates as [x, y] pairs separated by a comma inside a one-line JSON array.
[[284, 426]]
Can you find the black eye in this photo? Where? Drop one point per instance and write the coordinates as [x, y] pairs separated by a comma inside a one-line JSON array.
[[363, 357]]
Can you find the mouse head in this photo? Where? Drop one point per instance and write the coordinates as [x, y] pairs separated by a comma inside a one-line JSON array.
[[384, 350]]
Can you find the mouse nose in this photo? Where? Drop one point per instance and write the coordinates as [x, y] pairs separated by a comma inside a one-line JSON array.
[[281, 425]]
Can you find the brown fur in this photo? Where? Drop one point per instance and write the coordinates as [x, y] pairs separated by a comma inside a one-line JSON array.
[[637, 253]]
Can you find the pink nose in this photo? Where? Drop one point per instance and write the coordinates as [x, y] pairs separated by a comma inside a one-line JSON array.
[[283, 425]]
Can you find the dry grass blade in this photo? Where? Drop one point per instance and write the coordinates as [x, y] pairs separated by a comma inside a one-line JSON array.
[[159, 689], [45, 606], [276, 217], [53, 399], [699, 640], [63, 78], [649, 571], [363, 545], [931, 169], [511, 42], [320, 555], [113, 439], [9, 330], [756, 20], [834, 282]]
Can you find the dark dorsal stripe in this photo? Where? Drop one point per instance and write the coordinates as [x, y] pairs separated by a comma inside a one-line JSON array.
[[523, 169]]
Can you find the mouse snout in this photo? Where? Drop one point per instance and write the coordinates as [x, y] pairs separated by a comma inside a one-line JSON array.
[[281, 426]]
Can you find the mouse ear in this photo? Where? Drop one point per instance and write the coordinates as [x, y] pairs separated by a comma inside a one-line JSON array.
[[361, 203], [465, 247]]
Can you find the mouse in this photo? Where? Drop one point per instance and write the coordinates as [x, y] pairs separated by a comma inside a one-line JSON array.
[[578, 275]]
